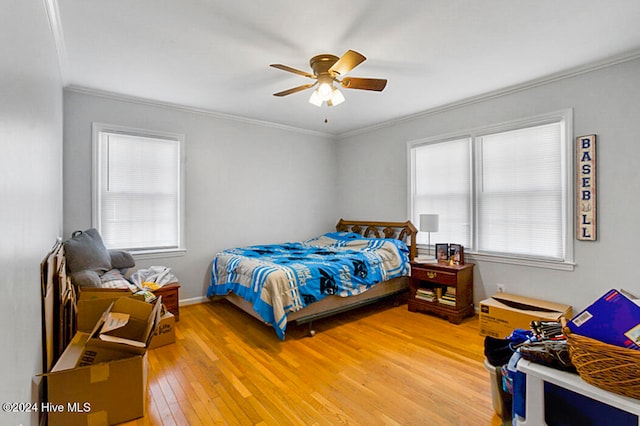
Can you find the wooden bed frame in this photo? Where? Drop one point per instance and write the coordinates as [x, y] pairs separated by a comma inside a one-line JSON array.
[[331, 305]]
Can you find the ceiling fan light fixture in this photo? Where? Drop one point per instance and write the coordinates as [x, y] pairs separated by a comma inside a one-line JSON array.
[[315, 98], [336, 97], [326, 70], [325, 90]]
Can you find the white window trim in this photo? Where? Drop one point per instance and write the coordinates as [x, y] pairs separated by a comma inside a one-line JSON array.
[[566, 116], [97, 128]]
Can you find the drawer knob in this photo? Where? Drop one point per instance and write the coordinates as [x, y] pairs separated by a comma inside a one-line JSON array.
[[431, 274]]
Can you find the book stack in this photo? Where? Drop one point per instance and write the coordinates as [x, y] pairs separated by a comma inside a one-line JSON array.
[[449, 297], [425, 294]]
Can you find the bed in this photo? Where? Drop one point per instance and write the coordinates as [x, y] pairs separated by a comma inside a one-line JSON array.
[[362, 262]]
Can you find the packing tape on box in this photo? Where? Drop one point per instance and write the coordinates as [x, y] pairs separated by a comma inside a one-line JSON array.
[[99, 372], [99, 418]]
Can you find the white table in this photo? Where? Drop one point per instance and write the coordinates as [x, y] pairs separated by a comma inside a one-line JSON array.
[[537, 374]]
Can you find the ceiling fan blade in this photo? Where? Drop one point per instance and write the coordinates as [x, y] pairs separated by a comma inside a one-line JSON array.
[[377, 84], [294, 90], [293, 70], [347, 62]]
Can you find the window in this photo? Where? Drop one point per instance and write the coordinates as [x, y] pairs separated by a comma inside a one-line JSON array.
[[442, 185], [137, 189], [502, 192]]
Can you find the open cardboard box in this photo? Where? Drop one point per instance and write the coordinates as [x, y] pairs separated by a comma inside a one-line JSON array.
[[132, 337], [93, 293], [91, 308], [101, 394], [98, 381], [504, 312], [92, 302]]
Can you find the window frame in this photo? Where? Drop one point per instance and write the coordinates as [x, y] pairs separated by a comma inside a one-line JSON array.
[[100, 128], [565, 117]]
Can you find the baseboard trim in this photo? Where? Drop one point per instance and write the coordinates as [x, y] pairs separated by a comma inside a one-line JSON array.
[[193, 301]]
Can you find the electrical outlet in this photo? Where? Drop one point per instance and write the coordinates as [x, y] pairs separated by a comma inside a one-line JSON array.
[[500, 288]]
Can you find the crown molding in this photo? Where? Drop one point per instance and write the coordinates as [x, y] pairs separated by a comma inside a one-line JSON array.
[[562, 75], [53, 16], [551, 78], [177, 107]]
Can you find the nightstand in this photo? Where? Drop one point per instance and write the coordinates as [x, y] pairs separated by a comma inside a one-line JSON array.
[[170, 298], [442, 289]]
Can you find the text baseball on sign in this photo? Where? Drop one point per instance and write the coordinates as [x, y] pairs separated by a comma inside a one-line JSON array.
[[586, 187]]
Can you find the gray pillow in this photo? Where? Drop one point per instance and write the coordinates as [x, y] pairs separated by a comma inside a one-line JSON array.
[[121, 259], [85, 279], [86, 251]]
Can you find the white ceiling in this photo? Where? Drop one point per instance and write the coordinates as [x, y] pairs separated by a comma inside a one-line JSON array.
[[215, 54]]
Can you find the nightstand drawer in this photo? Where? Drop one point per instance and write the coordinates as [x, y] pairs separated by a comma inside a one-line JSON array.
[[170, 298], [438, 277]]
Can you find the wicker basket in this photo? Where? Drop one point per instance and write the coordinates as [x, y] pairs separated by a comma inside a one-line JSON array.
[[608, 367]]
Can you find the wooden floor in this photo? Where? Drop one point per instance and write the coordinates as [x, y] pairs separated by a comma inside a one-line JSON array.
[[378, 365]]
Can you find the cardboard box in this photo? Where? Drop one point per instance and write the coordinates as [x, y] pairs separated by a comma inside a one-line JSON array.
[[92, 306], [503, 313], [102, 394], [131, 336], [91, 302], [165, 333], [614, 319], [92, 293]]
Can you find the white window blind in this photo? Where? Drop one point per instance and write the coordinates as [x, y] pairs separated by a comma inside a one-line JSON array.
[[138, 191], [520, 192], [442, 185], [502, 191]]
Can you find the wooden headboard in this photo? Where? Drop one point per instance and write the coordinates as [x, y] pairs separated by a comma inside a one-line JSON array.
[[403, 231]]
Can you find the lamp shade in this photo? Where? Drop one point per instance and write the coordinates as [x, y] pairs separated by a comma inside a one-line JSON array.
[[315, 99], [429, 222]]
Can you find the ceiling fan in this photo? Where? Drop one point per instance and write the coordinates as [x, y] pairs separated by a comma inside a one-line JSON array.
[[328, 69]]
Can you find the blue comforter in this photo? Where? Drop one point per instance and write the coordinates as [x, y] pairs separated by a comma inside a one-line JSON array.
[[283, 278]]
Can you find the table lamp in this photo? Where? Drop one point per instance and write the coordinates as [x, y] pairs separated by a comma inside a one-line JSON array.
[[429, 223]]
